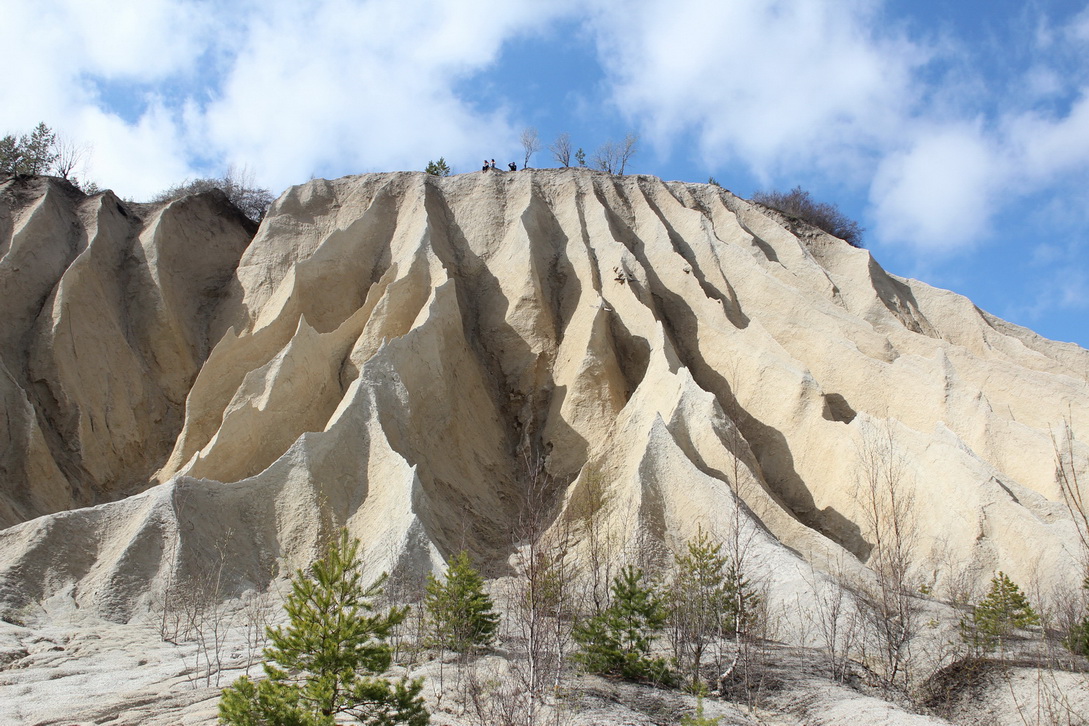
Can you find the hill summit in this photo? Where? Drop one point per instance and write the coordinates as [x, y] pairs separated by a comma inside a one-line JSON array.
[[423, 360]]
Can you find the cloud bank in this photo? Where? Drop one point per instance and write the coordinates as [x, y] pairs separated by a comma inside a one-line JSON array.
[[938, 136], [168, 89]]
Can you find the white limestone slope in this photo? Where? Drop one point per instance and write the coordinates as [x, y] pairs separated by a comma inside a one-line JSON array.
[[389, 349], [106, 320]]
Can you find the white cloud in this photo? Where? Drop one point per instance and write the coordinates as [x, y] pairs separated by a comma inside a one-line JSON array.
[[1045, 146], [1079, 27], [351, 86], [774, 85], [146, 40], [286, 88], [940, 193], [135, 159], [73, 48], [814, 86], [942, 190], [338, 86]]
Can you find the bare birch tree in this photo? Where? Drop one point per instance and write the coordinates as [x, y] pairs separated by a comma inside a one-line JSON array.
[[887, 506], [746, 610], [838, 623], [561, 149], [600, 546], [541, 590], [613, 157], [531, 144], [70, 157], [1073, 491]]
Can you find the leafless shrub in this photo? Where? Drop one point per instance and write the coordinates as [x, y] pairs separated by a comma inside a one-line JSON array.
[[531, 144], [239, 186], [1073, 491], [190, 609], [256, 611], [561, 149], [799, 205], [890, 601], [540, 597], [71, 157], [613, 157], [495, 695], [837, 622], [953, 579], [600, 545]]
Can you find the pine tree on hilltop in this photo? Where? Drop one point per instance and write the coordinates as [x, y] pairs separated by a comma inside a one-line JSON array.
[[438, 168], [29, 154], [328, 660]]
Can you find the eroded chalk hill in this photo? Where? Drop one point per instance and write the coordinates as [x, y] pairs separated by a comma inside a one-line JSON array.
[[107, 314], [394, 352]]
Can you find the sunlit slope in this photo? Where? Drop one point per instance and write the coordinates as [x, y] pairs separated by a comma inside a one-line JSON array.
[[395, 352]]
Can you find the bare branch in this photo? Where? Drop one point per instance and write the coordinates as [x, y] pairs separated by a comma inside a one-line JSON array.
[[531, 144], [561, 149]]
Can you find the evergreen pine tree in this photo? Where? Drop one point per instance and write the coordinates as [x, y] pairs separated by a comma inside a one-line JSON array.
[[459, 610], [29, 154], [618, 641], [698, 719], [438, 168], [1004, 609], [1077, 640], [699, 601], [11, 155], [326, 663], [39, 150]]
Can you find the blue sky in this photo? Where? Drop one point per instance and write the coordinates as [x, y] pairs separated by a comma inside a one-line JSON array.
[[956, 132]]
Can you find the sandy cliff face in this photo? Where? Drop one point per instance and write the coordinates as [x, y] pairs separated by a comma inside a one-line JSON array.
[[107, 318], [393, 352]]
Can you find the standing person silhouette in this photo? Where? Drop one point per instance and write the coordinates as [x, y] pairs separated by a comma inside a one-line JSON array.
[[512, 166]]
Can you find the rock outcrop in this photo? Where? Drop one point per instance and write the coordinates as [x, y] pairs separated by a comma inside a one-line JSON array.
[[395, 352]]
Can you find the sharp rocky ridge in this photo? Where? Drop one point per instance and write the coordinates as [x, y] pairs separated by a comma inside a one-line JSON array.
[[397, 353]]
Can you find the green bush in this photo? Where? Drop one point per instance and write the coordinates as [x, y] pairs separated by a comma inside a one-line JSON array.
[[29, 154], [1004, 609], [799, 205], [617, 642], [459, 612], [438, 168], [1077, 640], [708, 599], [327, 662], [698, 719]]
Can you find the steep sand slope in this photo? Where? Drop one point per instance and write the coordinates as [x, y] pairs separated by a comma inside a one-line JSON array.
[[107, 320], [391, 350]]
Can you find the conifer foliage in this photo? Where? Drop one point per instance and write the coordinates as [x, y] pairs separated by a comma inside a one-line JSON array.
[[698, 719], [1077, 640], [708, 599], [326, 663], [1004, 609], [617, 642], [29, 154], [438, 168], [459, 610]]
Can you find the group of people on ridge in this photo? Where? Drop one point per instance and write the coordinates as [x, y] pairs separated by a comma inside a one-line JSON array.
[[491, 166]]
